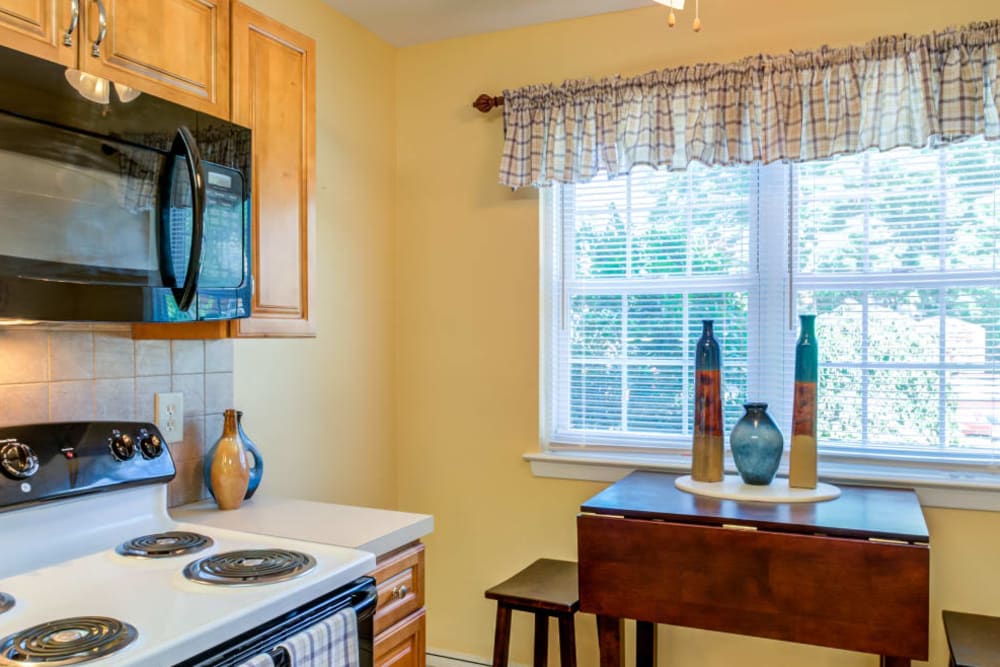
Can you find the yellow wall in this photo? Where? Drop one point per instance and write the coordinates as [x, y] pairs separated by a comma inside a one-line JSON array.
[[467, 324], [322, 409]]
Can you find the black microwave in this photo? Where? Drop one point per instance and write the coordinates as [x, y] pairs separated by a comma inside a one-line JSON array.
[[115, 210]]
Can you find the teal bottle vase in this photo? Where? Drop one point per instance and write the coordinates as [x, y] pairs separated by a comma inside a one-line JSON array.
[[707, 447], [803, 462], [254, 460], [757, 445]]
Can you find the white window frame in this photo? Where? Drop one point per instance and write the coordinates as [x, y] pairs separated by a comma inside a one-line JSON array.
[[970, 484]]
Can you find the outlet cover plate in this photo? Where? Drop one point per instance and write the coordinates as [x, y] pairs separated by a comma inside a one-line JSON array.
[[170, 416]]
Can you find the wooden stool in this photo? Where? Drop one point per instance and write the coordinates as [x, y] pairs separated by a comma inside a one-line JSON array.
[[545, 588], [974, 640]]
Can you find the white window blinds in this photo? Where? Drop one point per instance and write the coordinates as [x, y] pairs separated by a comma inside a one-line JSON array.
[[897, 252]]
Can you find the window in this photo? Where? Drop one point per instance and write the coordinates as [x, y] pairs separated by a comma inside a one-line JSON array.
[[897, 252]]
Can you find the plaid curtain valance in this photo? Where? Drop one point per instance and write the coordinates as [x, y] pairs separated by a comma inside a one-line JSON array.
[[894, 91]]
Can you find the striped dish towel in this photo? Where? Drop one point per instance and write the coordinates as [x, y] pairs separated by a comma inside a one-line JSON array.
[[329, 643]]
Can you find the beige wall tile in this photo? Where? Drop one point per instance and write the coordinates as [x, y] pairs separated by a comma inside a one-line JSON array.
[[114, 355], [24, 404], [193, 388], [71, 401], [115, 399], [188, 356], [24, 355], [193, 444], [187, 486], [71, 355], [218, 356], [152, 357], [218, 392], [146, 389], [213, 430]]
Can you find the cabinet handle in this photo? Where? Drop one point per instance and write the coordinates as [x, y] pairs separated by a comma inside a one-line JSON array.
[[400, 592], [102, 21], [73, 22]]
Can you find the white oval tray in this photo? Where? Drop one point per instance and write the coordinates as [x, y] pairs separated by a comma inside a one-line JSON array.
[[732, 488]]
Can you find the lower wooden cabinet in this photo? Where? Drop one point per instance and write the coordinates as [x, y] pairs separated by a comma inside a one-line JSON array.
[[403, 644], [400, 615]]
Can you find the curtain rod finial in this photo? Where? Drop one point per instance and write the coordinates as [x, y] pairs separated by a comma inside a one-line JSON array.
[[486, 103]]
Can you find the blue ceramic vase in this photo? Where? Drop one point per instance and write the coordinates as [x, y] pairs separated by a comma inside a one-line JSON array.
[[757, 445], [254, 460]]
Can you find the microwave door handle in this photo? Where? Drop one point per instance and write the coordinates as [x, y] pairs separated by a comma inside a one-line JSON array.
[[196, 172]]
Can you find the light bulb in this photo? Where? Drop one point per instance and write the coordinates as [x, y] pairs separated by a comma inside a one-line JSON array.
[[125, 93], [94, 88], [672, 19]]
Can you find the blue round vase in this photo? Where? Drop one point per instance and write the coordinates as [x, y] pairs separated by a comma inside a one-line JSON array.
[[757, 445], [253, 458]]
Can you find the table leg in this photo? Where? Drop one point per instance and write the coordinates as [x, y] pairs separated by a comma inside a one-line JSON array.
[[609, 638], [645, 644], [889, 661]]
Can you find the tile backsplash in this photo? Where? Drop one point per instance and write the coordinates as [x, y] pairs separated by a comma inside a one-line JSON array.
[[82, 372]]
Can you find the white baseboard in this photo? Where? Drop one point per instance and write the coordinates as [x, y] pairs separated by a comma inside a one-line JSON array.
[[441, 658]]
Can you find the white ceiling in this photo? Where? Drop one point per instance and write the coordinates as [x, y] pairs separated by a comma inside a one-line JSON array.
[[408, 22]]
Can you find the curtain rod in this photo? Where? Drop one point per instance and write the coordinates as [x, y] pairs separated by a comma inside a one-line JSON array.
[[487, 103]]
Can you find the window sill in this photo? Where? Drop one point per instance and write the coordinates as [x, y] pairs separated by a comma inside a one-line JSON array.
[[951, 489]]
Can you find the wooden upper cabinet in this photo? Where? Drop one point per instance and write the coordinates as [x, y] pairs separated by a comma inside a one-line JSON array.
[[40, 27], [174, 49], [274, 93]]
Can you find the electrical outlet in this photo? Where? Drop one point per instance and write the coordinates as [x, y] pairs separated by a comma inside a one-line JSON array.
[[170, 416]]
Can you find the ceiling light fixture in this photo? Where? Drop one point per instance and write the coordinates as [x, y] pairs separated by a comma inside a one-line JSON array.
[[679, 5]]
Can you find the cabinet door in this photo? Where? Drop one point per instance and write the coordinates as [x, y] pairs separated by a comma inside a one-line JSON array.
[[41, 28], [174, 49], [403, 644], [274, 83]]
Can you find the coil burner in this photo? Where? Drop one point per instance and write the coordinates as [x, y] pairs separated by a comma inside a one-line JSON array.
[[6, 602], [68, 641], [164, 545], [249, 567]]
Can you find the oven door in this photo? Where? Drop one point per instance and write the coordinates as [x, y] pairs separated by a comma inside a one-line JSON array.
[[361, 594]]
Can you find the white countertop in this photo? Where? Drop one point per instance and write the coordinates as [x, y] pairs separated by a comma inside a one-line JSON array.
[[376, 531]]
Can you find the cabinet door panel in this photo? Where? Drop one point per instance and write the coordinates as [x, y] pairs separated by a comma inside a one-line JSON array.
[[403, 644], [274, 76], [175, 49], [38, 27]]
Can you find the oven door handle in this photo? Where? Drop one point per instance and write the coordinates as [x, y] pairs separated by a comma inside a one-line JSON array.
[[184, 142]]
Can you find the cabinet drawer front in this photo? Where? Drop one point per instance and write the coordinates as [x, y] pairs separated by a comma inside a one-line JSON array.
[[403, 645], [400, 581], [852, 594]]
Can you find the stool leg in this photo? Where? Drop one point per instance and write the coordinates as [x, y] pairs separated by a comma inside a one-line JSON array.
[[541, 640], [501, 638], [645, 644], [567, 641]]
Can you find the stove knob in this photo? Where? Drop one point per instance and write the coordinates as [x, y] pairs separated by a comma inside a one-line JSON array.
[[18, 460], [121, 445], [149, 443]]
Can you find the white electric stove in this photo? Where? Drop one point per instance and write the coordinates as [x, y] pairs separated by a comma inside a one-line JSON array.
[[94, 572]]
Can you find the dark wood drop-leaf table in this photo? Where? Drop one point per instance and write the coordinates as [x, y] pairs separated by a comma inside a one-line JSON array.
[[851, 573]]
